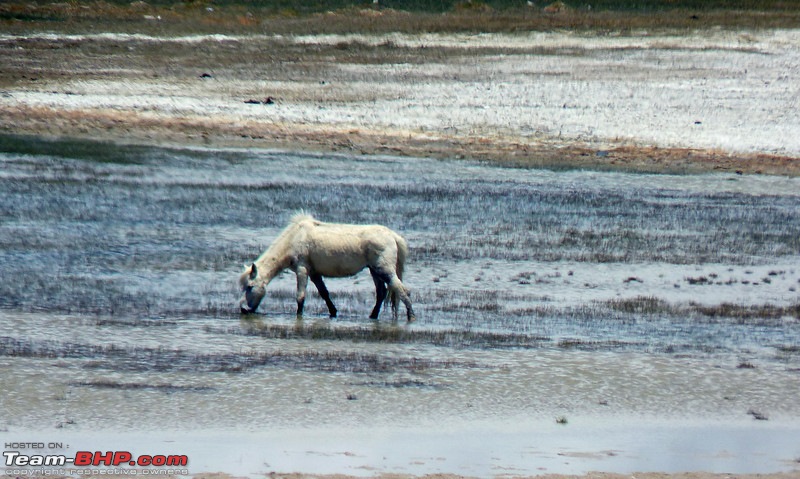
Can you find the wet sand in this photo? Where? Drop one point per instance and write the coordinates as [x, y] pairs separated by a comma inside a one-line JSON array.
[[475, 451]]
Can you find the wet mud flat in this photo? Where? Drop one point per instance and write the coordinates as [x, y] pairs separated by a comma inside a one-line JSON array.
[[552, 304]]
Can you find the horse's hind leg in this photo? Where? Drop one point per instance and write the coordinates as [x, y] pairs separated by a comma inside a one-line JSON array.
[[398, 291], [323, 292], [380, 293]]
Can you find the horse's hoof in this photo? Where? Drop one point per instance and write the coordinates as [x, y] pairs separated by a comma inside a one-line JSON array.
[[411, 319], [245, 310]]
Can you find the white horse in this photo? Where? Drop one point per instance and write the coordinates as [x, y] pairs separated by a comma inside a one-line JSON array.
[[313, 249]]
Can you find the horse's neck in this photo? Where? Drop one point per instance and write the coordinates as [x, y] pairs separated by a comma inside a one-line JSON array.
[[270, 266], [276, 259]]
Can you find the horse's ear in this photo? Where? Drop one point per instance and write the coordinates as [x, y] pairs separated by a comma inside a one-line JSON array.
[[253, 272]]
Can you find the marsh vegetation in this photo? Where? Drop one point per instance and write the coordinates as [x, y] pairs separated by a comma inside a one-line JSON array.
[[122, 265]]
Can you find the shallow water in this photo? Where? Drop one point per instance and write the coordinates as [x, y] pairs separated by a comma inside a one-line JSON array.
[[608, 296]]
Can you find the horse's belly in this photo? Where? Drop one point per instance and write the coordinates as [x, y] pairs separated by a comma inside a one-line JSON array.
[[345, 263]]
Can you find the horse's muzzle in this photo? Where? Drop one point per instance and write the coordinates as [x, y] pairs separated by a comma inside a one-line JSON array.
[[244, 308]]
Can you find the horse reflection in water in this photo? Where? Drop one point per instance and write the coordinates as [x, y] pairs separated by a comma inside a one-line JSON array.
[[313, 250]]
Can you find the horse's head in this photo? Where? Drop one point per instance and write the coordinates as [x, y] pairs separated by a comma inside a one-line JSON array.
[[254, 290]]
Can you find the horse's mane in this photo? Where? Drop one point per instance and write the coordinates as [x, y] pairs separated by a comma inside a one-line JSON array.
[[300, 216], [284, 238]]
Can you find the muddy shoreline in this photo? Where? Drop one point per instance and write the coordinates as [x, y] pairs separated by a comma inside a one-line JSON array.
[[132, 129], [556, 100]]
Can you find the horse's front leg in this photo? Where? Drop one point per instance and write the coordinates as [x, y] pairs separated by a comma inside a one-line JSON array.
[[302, 283], [323, 292]]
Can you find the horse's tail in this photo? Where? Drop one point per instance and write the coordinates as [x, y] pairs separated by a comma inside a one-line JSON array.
[[402, 253]]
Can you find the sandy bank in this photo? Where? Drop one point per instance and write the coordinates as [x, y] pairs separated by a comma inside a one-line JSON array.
[[704, 101]]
